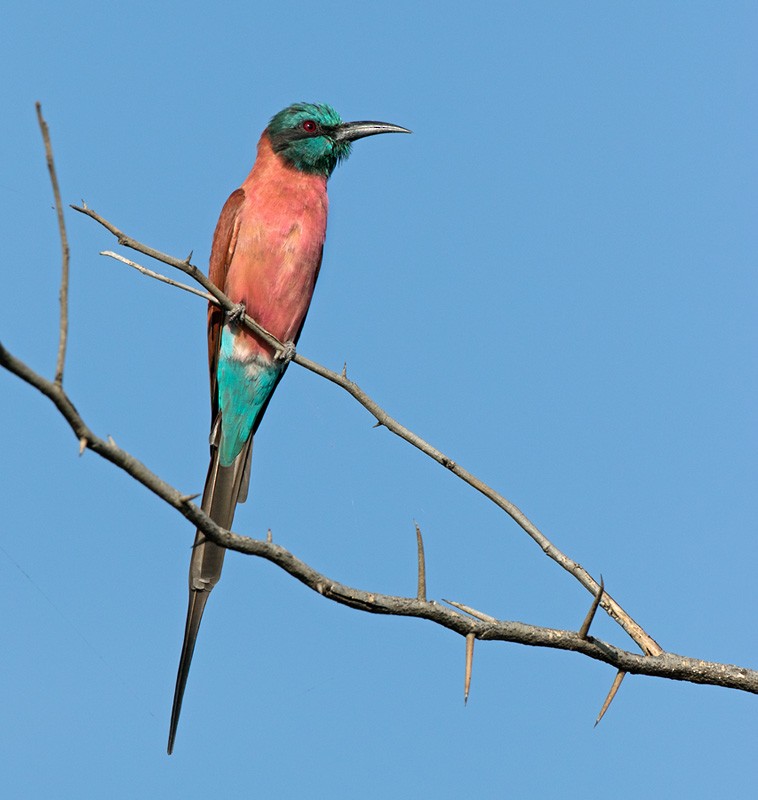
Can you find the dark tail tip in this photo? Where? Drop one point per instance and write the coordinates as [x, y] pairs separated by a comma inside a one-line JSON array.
[[195, 610]]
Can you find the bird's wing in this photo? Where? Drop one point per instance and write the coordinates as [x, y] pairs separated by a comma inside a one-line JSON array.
[[222, 251]]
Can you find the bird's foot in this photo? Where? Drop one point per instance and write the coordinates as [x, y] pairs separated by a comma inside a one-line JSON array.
[[286, 354], [237, 314]]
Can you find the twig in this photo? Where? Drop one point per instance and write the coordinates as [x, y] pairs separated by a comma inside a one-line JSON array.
[[63, 293], [646, 643], [157, 275], [184, 266]]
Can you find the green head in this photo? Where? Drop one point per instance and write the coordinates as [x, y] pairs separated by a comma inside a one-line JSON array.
[[313, 138]]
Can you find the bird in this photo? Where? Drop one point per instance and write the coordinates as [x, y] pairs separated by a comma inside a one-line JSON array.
[[266, 256]]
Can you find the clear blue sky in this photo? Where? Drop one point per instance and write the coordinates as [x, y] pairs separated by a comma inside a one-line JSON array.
[[553, 280]]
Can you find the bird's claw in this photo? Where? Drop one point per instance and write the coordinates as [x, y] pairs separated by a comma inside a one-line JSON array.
[[237, 314], [286, 354]]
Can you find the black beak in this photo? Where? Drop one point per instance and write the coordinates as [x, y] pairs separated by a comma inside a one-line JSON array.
[[350, 131]]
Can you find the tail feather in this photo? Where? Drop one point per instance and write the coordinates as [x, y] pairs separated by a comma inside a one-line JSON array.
[[224, 488], [245, 482]]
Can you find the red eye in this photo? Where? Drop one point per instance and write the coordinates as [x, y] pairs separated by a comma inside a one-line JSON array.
[[309, 125]]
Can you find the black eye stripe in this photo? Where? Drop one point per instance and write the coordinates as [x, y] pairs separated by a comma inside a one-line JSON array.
[[281, 140]]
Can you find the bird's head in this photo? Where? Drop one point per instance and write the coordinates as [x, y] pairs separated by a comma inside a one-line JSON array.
[[313, 138]]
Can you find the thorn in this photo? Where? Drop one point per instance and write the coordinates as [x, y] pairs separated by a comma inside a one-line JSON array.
[[469, 665], [584, 630], [608, 700], [112, 441], [344, 370], [421, 593], [377, 424], [189, 257], [471, 611], [188, 498], [269, 536], [83, 444]]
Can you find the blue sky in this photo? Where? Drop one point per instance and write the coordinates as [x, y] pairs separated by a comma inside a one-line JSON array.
[[553, 281]]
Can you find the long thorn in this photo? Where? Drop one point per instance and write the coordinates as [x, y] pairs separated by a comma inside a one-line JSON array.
[[421, 593], [584, 630], [469, 665], [472, 611], [611, 694]]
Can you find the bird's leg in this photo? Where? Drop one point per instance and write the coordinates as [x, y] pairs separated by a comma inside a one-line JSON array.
[[237, 314], [286, 354]]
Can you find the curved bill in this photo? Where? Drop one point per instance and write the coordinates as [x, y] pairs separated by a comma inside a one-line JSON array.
[[350, 131]]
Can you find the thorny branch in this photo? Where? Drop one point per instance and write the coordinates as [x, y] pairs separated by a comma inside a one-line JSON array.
[[483, 627], [466, 621]]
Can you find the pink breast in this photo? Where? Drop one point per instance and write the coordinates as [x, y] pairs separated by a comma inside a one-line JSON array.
[[278, 252]]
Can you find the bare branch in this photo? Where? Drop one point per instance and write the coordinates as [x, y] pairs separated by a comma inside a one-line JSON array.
[[647, 644], [665, 665], [151, 274], [63, 293]]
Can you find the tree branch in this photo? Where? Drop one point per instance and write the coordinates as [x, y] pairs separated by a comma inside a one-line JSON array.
[[482, 626]]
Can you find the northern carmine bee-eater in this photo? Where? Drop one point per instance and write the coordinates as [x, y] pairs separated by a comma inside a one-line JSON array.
[[266, 256]]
